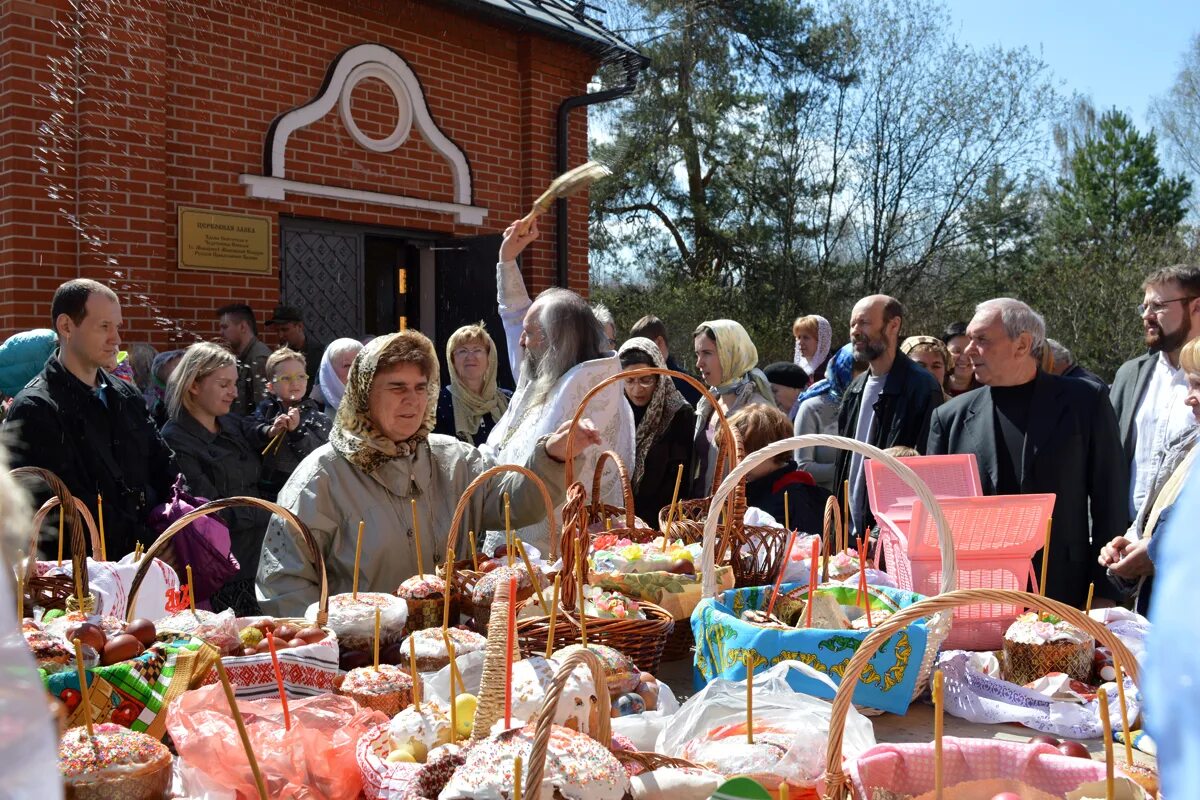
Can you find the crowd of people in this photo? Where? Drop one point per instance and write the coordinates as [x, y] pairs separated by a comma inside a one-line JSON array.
[[370, 432]]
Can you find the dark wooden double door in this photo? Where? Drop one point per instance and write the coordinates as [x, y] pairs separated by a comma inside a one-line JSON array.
[[356, 281]]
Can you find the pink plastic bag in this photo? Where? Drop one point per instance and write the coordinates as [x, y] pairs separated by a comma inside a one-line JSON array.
[[315, 758]]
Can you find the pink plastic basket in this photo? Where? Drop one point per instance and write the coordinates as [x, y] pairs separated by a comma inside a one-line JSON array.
[[994, 542], [1037, 770], [891, 499]]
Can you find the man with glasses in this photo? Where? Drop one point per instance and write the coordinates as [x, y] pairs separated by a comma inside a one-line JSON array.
[[1148, 391]]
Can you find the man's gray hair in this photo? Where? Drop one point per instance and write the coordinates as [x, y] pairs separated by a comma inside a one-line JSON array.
[[1017, 318], [572, 335], [603, 315], [1059, 352]]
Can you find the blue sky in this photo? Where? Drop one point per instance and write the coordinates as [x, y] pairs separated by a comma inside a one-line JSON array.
[[1120, 53]]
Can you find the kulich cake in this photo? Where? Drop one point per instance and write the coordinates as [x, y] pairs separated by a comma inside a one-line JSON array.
[[353, 620], [577, 768], [1143, 776], [1037, 645], [431, 647], [623, 675], [116, 764], [610, 605], [387, 689], [426, 598], [50, 652], [576, 708], [484, 591], [418, 732]]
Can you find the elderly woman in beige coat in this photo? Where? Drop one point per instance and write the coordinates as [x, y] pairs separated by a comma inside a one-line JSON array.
[[381, 456]]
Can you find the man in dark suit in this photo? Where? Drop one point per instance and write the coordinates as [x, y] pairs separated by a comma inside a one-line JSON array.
[[888, 405], [1148, 391], [1064, 364], [1033, 432]]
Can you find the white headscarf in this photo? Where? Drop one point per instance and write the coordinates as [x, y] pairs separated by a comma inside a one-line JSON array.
[[824, 340], [330, 384]]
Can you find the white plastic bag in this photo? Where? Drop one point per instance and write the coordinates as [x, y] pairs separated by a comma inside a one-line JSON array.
[[977, 697], [805, 718]]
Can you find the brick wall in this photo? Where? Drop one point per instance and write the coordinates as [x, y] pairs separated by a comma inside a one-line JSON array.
[[175, 101]]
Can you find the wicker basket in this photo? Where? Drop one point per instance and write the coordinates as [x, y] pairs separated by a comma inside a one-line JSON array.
[[679, 644], [56, 592], [939, 626], [465, 578], [545, 722], [837, 785], [640, 639], [600, 513], [308, 676]]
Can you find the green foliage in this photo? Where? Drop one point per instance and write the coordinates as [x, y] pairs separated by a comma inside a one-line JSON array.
[[1116, 189]]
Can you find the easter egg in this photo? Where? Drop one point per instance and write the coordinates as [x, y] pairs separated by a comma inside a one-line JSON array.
[[630, 703], [142, 630], [401, 755], [464, 711]]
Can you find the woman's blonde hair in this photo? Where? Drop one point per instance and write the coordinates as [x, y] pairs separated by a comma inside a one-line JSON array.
[[199, 361], [1189, 357], [469, 333], [808, 324]]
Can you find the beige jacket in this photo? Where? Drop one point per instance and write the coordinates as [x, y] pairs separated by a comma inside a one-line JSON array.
[[331, 495]]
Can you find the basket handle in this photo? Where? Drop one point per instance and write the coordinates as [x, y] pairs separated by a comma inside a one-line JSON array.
[[541, 736], [67, 502], [835, 779], [86, 515], [634, 373], [213, 506], [626, 486], [461, 509], [905, 473]]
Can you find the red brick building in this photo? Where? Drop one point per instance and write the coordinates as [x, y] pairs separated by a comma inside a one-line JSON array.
[[348, 139]]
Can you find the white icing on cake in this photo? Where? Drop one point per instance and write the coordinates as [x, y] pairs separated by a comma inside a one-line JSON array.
[[430, 725], [531, 680], [1029, 628], [350, 618], [430, 645], [579, 767]]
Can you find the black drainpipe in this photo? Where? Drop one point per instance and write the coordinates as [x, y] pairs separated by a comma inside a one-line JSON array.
[[633, 67]]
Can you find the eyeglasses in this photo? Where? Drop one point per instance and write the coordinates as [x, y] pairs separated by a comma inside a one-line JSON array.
[[463, 352], [646, 381], [301, 378], [1158, 307]]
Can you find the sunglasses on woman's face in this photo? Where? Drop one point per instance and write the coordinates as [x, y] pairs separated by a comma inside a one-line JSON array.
[[646, 381]]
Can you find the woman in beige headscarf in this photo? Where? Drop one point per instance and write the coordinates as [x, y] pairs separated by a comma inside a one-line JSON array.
[[381, 456], [727, 361], [471, 405]]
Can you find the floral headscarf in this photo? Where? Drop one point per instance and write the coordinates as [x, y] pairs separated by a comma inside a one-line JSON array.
[[354, 435], [824, 340], [469, 407], [738, 357], [661, 409], [838, 375]]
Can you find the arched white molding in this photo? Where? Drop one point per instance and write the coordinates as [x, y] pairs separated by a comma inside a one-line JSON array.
[[347, 70]]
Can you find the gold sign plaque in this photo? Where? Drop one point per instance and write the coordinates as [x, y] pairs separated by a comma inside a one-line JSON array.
[[223, 242]]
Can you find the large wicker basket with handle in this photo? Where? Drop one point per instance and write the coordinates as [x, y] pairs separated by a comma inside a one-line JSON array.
[[709, 615], [463, 580], [306, 670], [837, 785], [55, 592]]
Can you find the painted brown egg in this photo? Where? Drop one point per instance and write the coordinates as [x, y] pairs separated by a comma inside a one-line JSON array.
[[143, 630], [121, 647]]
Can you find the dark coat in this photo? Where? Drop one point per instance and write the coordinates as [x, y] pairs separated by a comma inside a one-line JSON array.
[[1073, 451], [689, 392], [444, 421], [314, 350], [805, 500], [657, 486], [225, 464], [1128, 389], [283, 459], [58, 423], [1079, 373], [902, 412], [252, 377]]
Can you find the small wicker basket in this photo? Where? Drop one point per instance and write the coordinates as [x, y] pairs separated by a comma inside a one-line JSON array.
[[56, 592]]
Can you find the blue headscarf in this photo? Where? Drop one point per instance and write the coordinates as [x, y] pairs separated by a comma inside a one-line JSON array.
[[838, 374]]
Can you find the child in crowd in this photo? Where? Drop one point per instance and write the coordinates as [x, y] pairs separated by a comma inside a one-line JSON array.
[[307, 428], [767, 484]]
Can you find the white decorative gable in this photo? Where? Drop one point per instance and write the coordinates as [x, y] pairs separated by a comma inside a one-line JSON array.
[[350, 68]]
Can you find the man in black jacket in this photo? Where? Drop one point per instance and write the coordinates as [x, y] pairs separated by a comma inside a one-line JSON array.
[[90, 428], [888, 405], [1032, 433], [1147, 393]]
